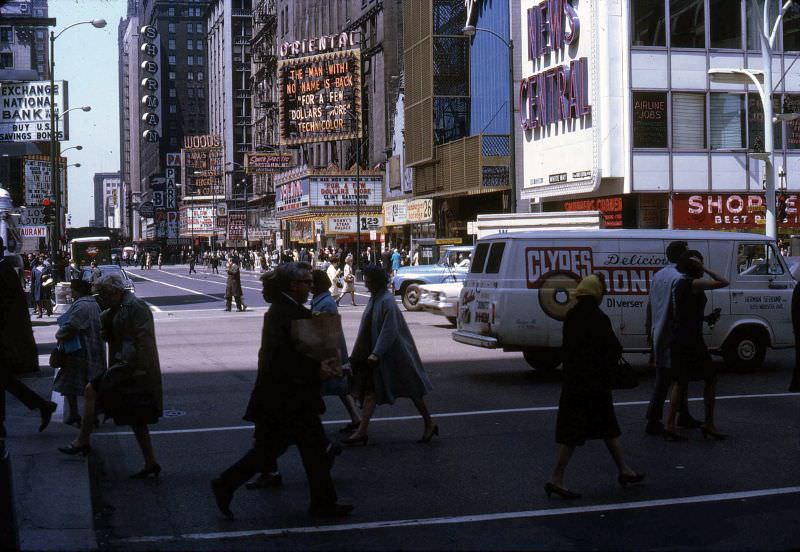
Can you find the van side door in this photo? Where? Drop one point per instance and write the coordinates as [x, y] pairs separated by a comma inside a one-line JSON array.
[[761, 289]]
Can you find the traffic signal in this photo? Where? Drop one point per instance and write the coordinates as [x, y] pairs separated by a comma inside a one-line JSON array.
[[781, 214], [48, 211]]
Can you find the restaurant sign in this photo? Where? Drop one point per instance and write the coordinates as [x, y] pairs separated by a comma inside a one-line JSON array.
[[264, 163], [347, 225], [610, 208], [727, 211]]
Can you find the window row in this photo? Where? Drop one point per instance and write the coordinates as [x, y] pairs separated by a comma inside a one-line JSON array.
[[190, 60], [719, 119], [189, 12], [190, 27], [190, 44], [734, 24]]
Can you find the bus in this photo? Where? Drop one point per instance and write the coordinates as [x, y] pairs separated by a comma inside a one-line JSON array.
[[85, 250]]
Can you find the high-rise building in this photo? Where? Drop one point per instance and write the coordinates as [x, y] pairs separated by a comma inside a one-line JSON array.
[[24, 46], [109, 200], [129, 137], [230, 28]]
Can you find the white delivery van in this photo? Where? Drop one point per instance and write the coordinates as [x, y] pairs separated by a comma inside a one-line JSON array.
[[520, 287]]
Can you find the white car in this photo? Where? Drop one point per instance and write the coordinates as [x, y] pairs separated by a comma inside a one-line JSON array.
[[441, 299]]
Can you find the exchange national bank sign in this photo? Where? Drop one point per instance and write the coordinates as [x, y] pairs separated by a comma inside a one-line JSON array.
[[320, 93], [556, 94], [25, 111]]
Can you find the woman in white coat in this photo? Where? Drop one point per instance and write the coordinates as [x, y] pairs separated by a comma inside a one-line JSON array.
[[334, 274], [349, 281], [385, 361]]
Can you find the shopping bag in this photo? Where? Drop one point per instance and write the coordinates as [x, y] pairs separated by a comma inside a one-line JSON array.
[[319, 337]]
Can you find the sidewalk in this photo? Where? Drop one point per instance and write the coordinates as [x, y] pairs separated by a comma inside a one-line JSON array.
[[52, 492]]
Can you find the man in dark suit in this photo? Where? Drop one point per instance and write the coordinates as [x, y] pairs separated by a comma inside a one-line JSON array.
[[285, 404], [18, 352], [386, 260]]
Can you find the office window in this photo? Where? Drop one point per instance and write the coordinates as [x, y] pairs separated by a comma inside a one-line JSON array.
[[173, 108], [6, 60], [171, 44], [199, 45], [791, 104], [725, 19], [650, 119], [190, 44], [688, 121], [754, 22], [171, 12], [200, 76], [199, 60], [171, 27], [173, 93], [648, 23], [6, 34], [199, 27], [687, 24], [172, 75], [791, 29], [200, 92], [171, 59], [755, 123], [189, 76], [189, 60], [190, 92], [727, 121]]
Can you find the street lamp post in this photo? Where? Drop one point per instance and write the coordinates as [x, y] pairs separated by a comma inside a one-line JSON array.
[[470, 31], [762, 80], [246, 204], [54, 139]]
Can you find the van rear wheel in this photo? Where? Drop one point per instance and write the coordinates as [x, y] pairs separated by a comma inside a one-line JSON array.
[[542, 358], [411, 295], [745, 349]]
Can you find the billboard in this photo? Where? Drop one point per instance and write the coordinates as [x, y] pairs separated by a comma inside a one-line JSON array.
[[237, 220], [202, 165], [340, 191], [320, 97], [742, 211], [25, 111], [291, 196]]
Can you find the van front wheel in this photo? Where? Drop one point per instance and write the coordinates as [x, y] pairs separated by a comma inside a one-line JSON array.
[[542, 358], [745, 350]]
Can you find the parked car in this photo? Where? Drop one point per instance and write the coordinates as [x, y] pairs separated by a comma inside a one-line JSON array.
[[521, 286], [441, 299], [453, 266]]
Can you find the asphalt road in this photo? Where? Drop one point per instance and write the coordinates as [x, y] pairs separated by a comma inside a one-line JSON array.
[[476, 486]]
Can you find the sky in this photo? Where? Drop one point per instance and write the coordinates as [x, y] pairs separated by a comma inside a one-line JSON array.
[[87, 58]]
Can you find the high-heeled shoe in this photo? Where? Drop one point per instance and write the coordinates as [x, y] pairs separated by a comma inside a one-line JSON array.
[[713, 433], [428, 435], [674, 437], [153, 470], [352, 440], [72, 450], [551, 489], [625, 480]]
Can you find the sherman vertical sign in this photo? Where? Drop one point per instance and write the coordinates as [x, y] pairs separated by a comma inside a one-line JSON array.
[[320, 97]]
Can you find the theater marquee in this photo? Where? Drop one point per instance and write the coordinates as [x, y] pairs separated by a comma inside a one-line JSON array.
[[320, 97]]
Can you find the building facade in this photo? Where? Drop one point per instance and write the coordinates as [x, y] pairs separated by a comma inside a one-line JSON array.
[[24, 47], [618, 113], [129, 134], [109, 200]]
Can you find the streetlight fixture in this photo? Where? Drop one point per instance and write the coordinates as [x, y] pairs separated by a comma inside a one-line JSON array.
[[79, 148], [54, 141], [74, 165], [762, 80], [246, 204], [470, 31]]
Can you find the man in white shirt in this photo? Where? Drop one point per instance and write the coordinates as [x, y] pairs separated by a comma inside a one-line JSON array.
[[659, 329]]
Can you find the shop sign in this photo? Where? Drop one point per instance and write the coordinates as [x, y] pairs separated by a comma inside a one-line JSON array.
[[37, 181], [202, 165], [610, 208], [147, 209], [318, 44], [420, 210], [150, 83], [199, 220], [727, 211], [320, 98], [347, 225], [25, 111], [394, 212], [265, 163], [291, 196], [341, 191], [32, 231]]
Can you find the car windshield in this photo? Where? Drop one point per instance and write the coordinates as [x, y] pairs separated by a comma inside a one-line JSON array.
[[455, 258]]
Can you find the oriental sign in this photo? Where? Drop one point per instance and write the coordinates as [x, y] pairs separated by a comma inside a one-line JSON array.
[[320, 97]]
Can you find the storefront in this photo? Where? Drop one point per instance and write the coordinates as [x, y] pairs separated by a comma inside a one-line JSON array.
[[329, 207], [408, 220], [731, 212], [647, 124]]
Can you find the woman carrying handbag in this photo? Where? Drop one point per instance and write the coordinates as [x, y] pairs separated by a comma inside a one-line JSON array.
[[591, 353], [349, 281]]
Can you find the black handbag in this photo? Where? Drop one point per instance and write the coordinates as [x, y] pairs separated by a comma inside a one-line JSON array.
[[622, 375]]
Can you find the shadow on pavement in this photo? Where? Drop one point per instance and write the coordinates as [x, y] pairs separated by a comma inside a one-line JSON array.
[[176, 300]]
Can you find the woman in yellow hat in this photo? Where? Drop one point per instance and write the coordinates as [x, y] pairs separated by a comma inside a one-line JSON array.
[[586, 409]]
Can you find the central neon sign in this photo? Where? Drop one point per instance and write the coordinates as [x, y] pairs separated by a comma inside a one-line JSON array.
[[559, 93]]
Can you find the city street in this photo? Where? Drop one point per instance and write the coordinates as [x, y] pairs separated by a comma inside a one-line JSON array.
[[478, 485]]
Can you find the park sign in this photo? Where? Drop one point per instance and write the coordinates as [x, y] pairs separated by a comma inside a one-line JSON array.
[[25, 111], [320, 97]]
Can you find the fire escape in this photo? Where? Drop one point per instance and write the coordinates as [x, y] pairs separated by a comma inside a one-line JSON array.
[[263, 84]]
